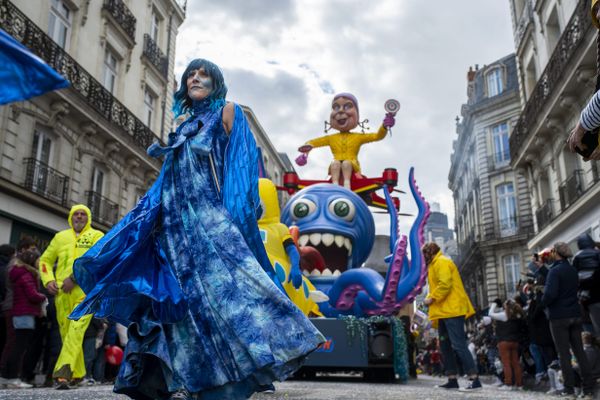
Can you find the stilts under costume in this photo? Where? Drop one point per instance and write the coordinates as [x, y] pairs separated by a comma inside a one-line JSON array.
[[181, 270]]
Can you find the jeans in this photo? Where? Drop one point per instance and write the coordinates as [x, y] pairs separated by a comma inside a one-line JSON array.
[[594, 310], [89, 355], [566, 333], [453, 339], [536, 353]]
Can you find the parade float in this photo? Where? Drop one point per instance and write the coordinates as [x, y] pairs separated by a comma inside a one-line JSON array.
[[334, 229]]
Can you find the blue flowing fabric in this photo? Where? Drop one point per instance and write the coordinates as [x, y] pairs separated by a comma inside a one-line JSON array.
[[23, 74], [181, 271]]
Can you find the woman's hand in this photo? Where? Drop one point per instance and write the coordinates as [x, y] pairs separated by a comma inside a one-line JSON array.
[[575, 137], [228, 116]]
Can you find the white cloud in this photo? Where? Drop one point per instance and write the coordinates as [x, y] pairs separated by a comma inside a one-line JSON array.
[[284, 58]]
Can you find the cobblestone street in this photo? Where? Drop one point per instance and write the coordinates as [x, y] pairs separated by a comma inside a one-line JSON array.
[[423, 388]]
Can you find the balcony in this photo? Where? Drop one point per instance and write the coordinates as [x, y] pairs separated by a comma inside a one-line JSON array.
[[544, 215], [571, 189], [552, 77], [46, 181], [155, 55], [122, 16], [16, 24], [507, 228], [103, 210]]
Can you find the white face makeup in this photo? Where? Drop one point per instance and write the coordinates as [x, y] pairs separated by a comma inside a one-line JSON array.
[[199, 84]]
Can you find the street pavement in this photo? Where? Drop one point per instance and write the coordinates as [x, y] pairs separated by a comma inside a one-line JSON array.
[[320, 389]]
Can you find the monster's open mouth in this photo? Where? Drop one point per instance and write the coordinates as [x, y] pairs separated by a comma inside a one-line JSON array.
[[324, 254]]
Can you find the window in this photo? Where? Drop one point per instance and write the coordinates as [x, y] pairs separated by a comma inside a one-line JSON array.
[[507, 209], [110, 70], [98, 181], [501, 150], [41, 151], [494, 82], [59, 24], [512, 272], [154, 26], [149, 101]]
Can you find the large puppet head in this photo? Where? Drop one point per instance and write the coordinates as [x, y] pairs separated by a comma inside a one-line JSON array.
[[205, 74], [344, 112]]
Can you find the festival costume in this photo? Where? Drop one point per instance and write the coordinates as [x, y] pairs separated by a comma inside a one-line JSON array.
[[279, 244], [346, 145], [65, 248], [181, 271]]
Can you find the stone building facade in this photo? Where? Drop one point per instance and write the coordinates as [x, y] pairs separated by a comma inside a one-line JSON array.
[[492, 210], [555, 45]]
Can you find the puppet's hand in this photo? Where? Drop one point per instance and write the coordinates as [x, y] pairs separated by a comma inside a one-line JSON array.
[[295, 276], [302, 159], [389, 120]]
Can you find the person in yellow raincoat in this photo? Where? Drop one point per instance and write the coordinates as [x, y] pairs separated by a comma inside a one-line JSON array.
[[283, 253], [449, 306], [345, 145], [65, 247]]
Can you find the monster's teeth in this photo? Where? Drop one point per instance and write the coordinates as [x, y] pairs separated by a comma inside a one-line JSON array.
[[339, 240], [315, 239], [337, 272], [303, 240], [350, 250], [327, 272], [315, 272], [348, 244], [327, 239], [305, 273]]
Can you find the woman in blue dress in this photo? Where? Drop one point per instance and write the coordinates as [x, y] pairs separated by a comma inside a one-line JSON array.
[[186, 269]]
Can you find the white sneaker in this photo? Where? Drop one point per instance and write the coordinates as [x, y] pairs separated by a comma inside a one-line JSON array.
[[505, 387], [17, 384]]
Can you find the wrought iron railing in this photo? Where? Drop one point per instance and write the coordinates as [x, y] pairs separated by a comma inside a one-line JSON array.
[[552, 77], [155, 55], [122, 15], [544, 214], [525, 21], [16, 24], [571, 189], [507, 228], [45, 181], [103, 210]]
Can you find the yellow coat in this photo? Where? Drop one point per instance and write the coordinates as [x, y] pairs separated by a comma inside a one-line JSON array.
[[594, 19], [346, 145], [65, 247], [447, 291]]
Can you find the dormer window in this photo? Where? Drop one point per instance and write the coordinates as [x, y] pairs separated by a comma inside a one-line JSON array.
[[493, 79]]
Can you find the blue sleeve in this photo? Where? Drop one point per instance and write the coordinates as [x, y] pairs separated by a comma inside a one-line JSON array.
[[590, 117], [293, 254]]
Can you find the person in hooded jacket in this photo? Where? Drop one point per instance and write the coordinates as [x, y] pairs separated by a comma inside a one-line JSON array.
[[587, 263], [64, 249], [27, 305]]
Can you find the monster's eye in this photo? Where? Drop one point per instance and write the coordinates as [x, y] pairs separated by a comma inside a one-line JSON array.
[[342, 208], [302, 208]]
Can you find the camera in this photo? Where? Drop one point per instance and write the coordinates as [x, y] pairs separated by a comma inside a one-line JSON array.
[[590, 142]]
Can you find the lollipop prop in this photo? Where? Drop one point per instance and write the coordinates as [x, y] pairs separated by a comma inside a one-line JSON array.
[[391, 107]]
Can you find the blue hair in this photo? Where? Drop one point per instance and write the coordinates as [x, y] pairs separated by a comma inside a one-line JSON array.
[[181, 101]]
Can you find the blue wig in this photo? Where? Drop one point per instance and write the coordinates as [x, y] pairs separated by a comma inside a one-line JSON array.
[[181, 101]]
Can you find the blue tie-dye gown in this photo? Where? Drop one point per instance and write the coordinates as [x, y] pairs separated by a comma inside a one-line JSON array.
[[203, 313]]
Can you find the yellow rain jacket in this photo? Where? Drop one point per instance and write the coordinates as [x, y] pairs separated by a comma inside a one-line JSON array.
[[594, 19], [447, 290], [275, 235], [346, 145], [64, 248]]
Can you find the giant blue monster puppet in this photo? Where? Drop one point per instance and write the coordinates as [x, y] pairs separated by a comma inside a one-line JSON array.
[[337, 230]]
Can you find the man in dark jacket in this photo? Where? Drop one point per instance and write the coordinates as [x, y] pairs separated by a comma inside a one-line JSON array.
[[587, 264], [560, 299]]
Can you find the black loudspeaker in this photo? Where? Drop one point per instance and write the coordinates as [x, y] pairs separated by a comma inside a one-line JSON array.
[[381, 343]]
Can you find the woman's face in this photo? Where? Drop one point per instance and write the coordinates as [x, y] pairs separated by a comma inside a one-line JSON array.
[[344, 116], [199, 84]]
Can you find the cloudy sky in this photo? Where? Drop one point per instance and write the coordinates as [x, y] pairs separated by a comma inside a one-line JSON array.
[[286, 59]]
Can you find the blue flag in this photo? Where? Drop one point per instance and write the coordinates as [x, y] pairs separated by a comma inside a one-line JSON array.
[[22, 73]]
